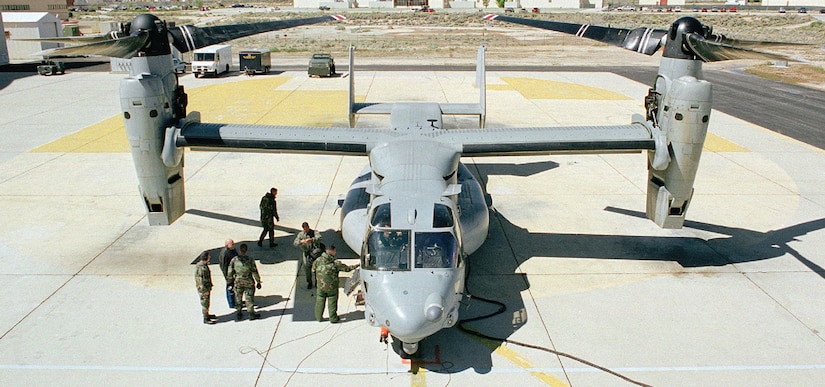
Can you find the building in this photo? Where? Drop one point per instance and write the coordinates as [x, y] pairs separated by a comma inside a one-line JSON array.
[[4, 50], [23, 25], [58, 8]]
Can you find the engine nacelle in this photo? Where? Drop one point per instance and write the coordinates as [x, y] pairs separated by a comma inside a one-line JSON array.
[[149, 103], [683, 114]]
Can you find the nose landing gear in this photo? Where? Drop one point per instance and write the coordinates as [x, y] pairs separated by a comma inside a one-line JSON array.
[[409, 348]]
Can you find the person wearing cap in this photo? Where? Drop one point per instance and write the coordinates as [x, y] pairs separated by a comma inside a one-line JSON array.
[[203, 281], [326, 269]]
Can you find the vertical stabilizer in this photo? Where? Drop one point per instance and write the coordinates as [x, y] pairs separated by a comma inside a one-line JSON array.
[[481, 83], [351, 108]]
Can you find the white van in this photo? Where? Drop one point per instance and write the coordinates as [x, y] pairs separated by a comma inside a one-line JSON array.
[[211, 60]]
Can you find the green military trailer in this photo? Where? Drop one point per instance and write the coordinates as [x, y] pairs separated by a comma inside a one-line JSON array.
[[254, 61], [321, 65], [51, 67]]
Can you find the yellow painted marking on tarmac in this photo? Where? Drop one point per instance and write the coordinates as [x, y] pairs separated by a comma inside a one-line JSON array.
[[519, 360], [419, 379], [254, 101], [500, 87], [107, 136], [532, 88], [714, 143]]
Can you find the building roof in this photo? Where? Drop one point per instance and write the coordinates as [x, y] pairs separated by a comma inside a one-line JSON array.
[[27, 17]]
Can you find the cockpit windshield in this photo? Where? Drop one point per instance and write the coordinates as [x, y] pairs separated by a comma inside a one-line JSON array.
[[435, 250], [388, 250]]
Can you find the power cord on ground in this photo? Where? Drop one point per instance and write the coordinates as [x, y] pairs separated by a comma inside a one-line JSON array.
[[501, 309]]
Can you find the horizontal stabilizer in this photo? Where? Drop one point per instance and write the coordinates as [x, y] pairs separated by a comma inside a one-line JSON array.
[[473, 109], [372, 108]]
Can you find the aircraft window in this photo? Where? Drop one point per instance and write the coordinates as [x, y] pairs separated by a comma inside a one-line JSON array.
[[442, 216], [435, 250], [388, 250], [381, 216]]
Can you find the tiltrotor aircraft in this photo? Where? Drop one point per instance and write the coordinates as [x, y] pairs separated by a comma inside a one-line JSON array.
[[416, 213]]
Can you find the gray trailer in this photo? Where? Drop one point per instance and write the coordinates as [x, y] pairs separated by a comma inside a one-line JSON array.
[[254, 61]]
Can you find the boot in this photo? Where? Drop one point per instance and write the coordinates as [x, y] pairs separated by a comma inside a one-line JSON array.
[[238, 316], [272, 244], [211, 316], [260, 242], [207, 320], [254, 316]]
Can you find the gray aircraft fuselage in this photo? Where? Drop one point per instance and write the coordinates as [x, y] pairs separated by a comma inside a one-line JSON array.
[[414, 213]]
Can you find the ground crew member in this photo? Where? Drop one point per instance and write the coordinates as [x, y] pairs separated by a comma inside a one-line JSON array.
[[227, 253], [326, 269], [225, 256], [269, 210], [308, 240], [203, 280], [244, 274]]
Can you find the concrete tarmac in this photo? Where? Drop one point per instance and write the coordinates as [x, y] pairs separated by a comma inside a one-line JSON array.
[[95, 296]]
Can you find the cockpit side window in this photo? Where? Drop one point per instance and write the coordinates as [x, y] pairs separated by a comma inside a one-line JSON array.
[[435, 250], [442, 216], [381, 216], [388, 250]]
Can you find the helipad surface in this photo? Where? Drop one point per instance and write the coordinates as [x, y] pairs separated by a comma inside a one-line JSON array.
[[94, 296]]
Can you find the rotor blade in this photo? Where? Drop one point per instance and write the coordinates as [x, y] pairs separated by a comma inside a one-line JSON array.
[[718, 38], [120, 48], [187, 38], [711, 51], [113, 35], [643, 40]]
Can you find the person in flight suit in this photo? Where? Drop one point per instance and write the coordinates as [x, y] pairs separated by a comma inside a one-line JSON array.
[[307, 240], [245, 279], [326, 269]]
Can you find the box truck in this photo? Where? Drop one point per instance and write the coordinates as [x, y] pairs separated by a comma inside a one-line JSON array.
[[211, 60]]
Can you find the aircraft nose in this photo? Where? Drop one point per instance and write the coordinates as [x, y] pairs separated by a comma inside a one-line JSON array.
[[433, 307]]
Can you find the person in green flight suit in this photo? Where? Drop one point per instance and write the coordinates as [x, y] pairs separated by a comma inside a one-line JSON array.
[[307, 240]]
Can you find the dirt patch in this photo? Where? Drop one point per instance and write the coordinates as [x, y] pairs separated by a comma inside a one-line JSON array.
[[801, 74]]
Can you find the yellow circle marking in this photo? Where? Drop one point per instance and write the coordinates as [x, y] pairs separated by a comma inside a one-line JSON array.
[[254, 101]]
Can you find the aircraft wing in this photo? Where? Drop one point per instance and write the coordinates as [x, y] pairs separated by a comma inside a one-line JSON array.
[[545, 140], [292, 139], [475, 142]]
